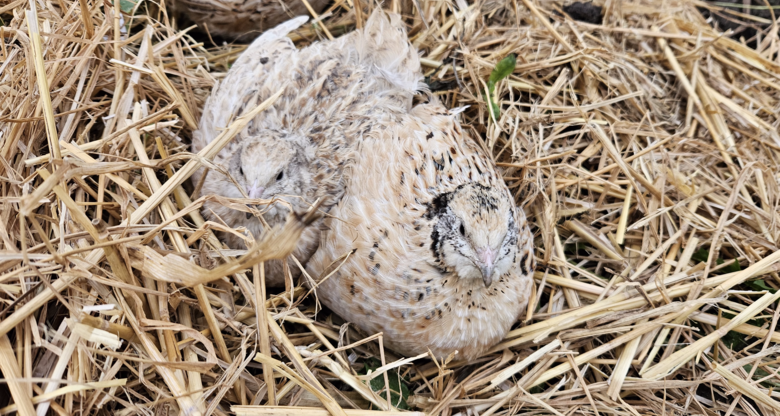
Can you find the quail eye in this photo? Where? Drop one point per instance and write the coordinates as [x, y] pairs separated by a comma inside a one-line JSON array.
[[241, 170], [462, 229], [280, 176]]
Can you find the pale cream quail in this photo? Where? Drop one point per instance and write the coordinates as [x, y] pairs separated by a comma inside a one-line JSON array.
[[439, 256], [295, 151]]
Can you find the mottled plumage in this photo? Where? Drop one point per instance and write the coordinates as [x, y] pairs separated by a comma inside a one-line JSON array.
[[441, 257], [296, 150]]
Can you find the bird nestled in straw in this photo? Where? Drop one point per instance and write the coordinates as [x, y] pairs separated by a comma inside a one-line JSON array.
[[427, 244]]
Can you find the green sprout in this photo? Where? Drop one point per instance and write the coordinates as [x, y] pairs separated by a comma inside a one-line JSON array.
[[127, 6], [704, 254], [502, 70], [399, 388]]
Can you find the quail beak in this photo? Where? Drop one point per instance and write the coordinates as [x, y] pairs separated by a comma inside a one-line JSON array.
[[487, 258], [254, 191]]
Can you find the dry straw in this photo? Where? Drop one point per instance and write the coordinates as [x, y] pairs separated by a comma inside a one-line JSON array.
[[644, 149]]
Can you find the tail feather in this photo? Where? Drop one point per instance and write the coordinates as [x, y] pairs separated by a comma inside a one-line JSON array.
[[268, 37], [385, 44]]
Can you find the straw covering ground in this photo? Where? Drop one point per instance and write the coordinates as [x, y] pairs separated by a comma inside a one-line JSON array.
[[643, 146]]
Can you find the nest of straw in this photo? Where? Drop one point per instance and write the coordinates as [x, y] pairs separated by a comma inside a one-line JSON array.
[[642, 145]]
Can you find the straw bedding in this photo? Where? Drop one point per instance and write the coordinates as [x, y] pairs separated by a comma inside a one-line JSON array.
[[643, 146]]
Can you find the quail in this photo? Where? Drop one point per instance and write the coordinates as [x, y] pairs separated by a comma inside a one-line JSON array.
[[294, 153], [427, 245]]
